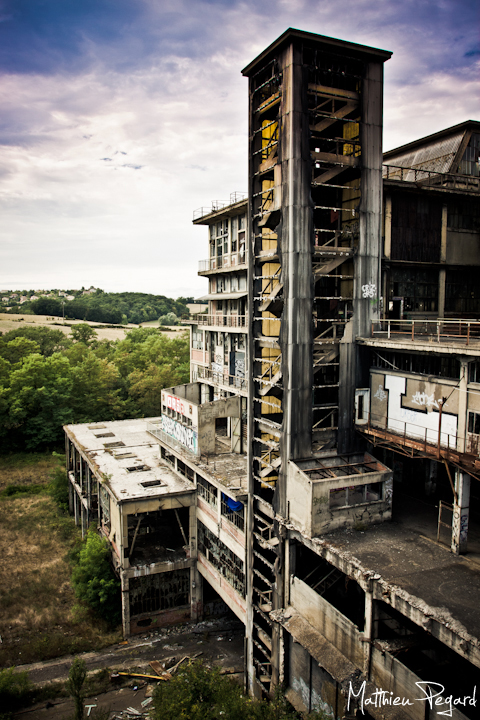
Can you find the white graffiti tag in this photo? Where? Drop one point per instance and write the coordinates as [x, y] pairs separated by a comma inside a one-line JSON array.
[[380, 394], [424, 399], [369, 291]]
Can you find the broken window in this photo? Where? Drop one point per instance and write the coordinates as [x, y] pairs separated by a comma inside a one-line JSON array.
[[137, 468], [119, 443], [425, 364], [222, 558], [105, 504], [356, 495], [197, 339], [158, 536], [168, 457], [162, 591], [462, 293], [233, 510], [207, 491], [418, 288], [107, 434]]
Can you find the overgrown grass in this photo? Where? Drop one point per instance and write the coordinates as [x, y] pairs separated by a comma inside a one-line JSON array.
[[37, 621], [25, 469]]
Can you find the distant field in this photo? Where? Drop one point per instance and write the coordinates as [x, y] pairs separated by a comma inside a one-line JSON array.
[[13, 322]]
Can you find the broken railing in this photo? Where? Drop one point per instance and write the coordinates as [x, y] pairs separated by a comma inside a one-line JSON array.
[[438, 330]]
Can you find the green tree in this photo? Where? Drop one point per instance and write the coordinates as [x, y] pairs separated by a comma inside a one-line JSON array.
[[83, 333], [168, 319], [75, 685], [93, 579], [15, 350], [39, 399], [198, 693], [96, 390], [48, 340], [47, 306]]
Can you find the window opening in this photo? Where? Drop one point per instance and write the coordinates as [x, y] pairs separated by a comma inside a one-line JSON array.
[[222, 558]]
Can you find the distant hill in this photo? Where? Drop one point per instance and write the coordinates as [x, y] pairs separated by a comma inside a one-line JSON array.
[[98, 306]]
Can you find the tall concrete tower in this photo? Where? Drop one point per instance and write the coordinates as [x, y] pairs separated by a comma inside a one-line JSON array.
[[315, 187]]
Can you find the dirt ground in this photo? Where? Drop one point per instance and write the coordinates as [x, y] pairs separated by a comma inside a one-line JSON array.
[[13, 322], [216, 642]]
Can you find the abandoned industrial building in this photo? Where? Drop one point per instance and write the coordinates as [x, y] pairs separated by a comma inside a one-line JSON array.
[[319, 474]]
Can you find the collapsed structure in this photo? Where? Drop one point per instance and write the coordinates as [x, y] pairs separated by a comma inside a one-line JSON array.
[[334, 383]]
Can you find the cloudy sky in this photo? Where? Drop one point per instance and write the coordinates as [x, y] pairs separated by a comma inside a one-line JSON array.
[[118, 118]]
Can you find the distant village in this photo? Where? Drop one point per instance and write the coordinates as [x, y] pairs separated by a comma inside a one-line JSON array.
[[11, 299]]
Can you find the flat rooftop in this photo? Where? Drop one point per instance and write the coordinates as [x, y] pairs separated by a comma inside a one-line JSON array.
[[405, 554], [128, 457], [226, 468]]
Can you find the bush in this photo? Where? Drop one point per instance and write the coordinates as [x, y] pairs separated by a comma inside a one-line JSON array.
[[168, 319], [15, 687], [93, 579]]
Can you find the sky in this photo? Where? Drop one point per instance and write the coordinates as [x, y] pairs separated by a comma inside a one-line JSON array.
[[119, 118]]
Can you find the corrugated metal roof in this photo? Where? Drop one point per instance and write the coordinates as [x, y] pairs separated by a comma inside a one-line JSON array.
[[436, 156]]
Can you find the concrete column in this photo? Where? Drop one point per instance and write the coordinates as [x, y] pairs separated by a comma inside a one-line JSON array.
[[71, 499], [368, 631], [125, 605], [387, 245], [443, 259], [442, 275], [443, 236], [460, 513], [196, 586], [462, 406]]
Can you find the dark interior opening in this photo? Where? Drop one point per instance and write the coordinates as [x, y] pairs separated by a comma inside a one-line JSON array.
[[340, 590]]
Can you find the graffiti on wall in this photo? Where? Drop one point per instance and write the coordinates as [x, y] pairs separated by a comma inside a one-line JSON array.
[[186, 436], [424, 400], [369, 290], [415, 423]]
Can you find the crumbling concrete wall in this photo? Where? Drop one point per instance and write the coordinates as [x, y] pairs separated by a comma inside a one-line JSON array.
[[334, 626]]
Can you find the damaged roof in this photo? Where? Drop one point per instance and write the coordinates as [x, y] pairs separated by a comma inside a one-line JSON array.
[[127, 457]]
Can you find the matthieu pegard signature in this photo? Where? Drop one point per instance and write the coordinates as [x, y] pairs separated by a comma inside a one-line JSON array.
[[432, 693]]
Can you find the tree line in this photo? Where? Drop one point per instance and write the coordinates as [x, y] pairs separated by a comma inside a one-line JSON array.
[[112, 308], [48, 380]]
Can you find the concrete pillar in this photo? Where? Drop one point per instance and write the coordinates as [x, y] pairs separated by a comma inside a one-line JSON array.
[[443, 259], [125, 605], [442, 275], [368, 631], [462, 405], [387, 245], [460, 513], [196, 585]]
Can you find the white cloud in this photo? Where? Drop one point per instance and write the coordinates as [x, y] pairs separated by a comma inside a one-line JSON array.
[[173, 121]]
